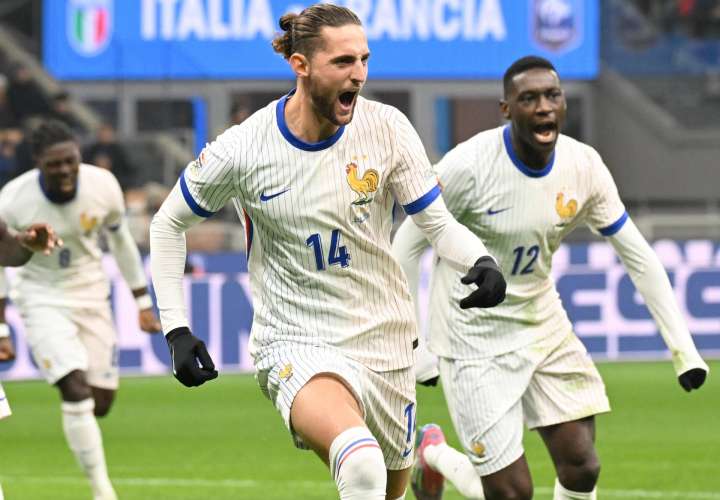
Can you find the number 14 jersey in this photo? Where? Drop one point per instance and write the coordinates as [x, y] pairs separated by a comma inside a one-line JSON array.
[[318, 218]]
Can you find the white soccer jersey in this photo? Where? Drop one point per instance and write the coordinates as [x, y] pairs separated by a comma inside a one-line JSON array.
[[318, 220], [521, 215], [71, 276]]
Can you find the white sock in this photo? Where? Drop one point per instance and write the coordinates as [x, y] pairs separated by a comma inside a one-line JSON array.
[[561, 493], [85, 441], [358, 466], [456, 468], [1, 493]]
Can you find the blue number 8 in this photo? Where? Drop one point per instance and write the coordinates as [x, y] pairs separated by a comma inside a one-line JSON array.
[[64, 257]]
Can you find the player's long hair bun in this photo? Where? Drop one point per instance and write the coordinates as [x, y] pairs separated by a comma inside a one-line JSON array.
[[301, 32], [282, 44]]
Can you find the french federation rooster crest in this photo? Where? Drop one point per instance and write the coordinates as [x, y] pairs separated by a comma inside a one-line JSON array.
[[567, 210], [88, 223], [364, 186]]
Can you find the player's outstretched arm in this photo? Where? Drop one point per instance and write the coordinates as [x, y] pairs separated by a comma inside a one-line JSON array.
[[192, 364], [123, 247], [17, 248], [452, 241], [464, 251], [126, 253], [651, 280]]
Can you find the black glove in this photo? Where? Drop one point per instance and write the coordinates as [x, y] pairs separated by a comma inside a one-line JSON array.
[[490, 282], [192, 364], [692, 379]]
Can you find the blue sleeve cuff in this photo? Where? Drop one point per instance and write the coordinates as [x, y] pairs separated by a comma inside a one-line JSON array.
[[422, 202], [197, 209], [615, 226]]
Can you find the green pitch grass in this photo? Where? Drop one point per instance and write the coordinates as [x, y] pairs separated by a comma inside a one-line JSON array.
[[225, 441]]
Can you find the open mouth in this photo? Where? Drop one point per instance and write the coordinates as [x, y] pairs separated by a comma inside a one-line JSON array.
[[347, 99], [545, 132], [64, 183]]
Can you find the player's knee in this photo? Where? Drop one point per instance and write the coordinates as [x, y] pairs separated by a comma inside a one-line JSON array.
[[102, 408], [519, 489], [581, 474], [74, 387], [363, 475], [358, 466], [103, 401]]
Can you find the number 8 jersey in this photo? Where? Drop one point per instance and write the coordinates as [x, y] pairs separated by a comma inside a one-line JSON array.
[[522, 215], [72, 276], [318, 219]]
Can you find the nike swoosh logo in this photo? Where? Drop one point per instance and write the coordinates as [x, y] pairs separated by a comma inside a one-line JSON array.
[[406, 452], [264, 197], [495, 212]]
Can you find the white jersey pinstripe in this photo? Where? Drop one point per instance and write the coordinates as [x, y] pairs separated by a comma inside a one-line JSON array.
[[521, 215], [72, 276], [318, 220]]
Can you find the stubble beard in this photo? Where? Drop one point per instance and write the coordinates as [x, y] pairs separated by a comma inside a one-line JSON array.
[[323, 104]]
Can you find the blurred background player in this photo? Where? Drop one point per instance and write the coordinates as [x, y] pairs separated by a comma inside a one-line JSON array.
[[333, 330], [522, 188], [15, 250], [63, 298]]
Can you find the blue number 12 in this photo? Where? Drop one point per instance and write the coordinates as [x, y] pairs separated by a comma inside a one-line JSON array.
[[532, 253]]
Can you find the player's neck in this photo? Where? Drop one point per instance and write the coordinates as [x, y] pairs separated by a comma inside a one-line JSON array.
[[304, 122], [537, 160]]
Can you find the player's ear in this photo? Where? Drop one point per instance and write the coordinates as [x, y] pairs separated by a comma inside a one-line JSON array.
[[504, 109], [299, 64]]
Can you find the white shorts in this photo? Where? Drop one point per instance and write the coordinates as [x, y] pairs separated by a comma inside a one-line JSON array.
[[66, 339], [387, 399], [4, 405], [540, 385]]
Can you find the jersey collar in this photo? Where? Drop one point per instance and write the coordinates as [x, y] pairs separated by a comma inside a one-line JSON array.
[[49, 195], [305, 146], [530, 172]]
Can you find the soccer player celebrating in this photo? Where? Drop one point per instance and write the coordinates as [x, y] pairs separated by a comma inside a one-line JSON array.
[[522, 188], [63, 298], [315, 175]]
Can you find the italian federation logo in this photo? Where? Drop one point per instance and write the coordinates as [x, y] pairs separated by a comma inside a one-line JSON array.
[[89, 25], [557, 24]]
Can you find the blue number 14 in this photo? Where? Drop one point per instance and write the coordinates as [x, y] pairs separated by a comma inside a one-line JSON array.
[[338, 253]]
